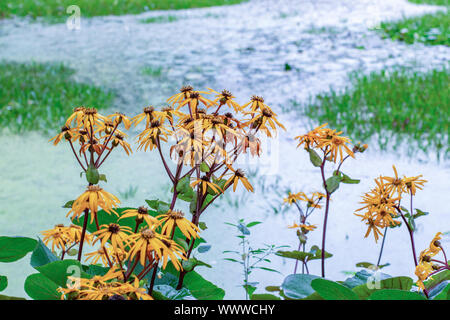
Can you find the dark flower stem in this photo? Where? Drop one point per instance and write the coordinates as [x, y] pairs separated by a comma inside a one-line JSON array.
[[83, 234], [382, 246]]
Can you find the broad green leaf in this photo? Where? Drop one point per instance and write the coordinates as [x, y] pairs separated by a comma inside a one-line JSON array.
[[399, 283], [199, 287], [39, 287], [360, 278], [440, 292], [252, 224], [437, 278], [15, 248], [59, 271], [298, 255], [317, 253], [2, 297], [346, 179], [95, 270], [314, 158], [332, 183], [3, 283], [395, 294], [298, 286], [42, 255], [68, 204], [330, 290], [203, 248], [371, 266], [166, 292], [264, 296]]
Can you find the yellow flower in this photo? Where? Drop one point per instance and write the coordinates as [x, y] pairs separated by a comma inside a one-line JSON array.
[[249, 141], [205, 183], [116, 234], [312, 138], [134, 291], [173, 251], [414, 183], [144, 243], [307, 227], [104, 254], [294, 197], [149, 114], [91, 199], [77, 115], [238, 175], [118, 140], [335, 144], [118, 118], [193, 100], [175, 218], [225, 97], [435, 244], [149, 137], [66, 133], [264, 119], [395, 184], [372, 224], [141, 215], [62, 237], [184, 93], [256, 103]]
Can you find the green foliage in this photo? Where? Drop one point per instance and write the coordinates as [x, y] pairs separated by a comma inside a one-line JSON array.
[[315, 159], [431, 29], [395, 106], [395, 294], [166, 292], [15, 248], [398, 283], [59, 271], [3, 283], [40, 96], [42, 255], [330, 290], [314, 254], [264, 296], [39, 287], [297, 286], [55, 10]]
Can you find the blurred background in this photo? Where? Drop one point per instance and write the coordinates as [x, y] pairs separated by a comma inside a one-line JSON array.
[[376, 69]]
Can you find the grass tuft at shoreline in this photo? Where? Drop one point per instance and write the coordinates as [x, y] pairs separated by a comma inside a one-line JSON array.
[[39, 96], [395, 105], [55, 10]]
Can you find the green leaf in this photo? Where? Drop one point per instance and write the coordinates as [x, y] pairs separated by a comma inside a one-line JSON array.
[[273, 288], [3, 283], [332, 183], [92, 175], [317, 253], [190, 264], [437, 278], [250, 289], [2, 297], [202, 226], [199, 287], [166, 292], [252, 224], [395, 294], [398, 283], [371, 266], [39, 287], [15, 248], [298, 255], [298, 286], [59, 271], [184, 189], [160, 206], [68, 204], [102, 177], [346, 179], [203, 248], [314, 158], [441, 291], [204, 167], [42, 255], [360, 278], [420, 213], [264, 296], [330, 290]]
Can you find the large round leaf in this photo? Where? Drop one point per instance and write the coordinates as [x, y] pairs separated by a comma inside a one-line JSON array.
[[298, 286], [15, 248], [39, 287], [3, 283], [395, 294], [330, 290]]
